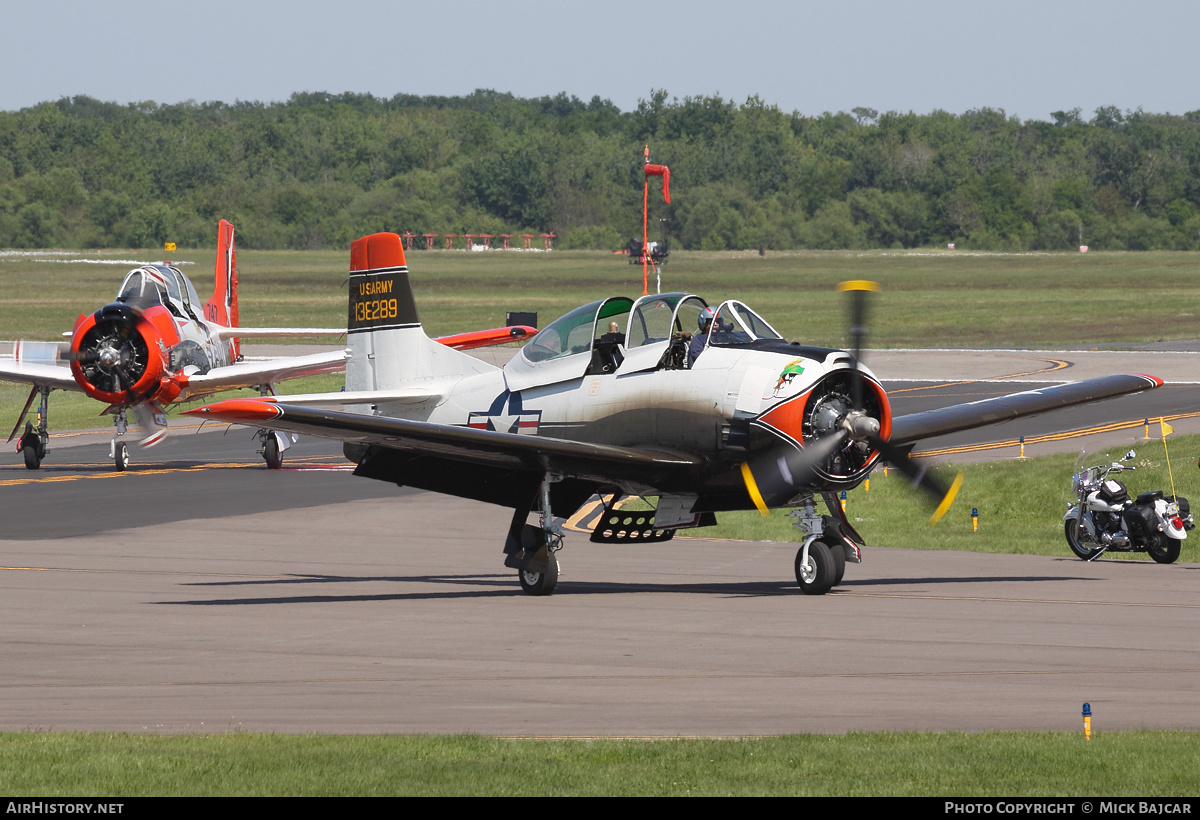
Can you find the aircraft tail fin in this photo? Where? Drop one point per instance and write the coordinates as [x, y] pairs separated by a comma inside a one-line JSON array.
[[222, 308], [387, 346]]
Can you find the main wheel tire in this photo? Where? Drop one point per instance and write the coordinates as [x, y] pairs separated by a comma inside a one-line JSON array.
[[1162, 549], [816, 575], [271, 453], [540, 583], [838, 553], [121, 457], [1076, 546], [32, 459]]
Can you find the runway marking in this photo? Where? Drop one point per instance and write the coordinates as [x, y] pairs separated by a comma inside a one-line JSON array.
[[1067, 434], [849, 593], [300, 467], [136, 572], [625, 677], [1058, 365]]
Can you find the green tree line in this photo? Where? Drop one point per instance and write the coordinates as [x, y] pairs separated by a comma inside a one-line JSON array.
[[321, 169]]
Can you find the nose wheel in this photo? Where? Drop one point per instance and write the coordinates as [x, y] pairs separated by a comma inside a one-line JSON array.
[[120, 456]]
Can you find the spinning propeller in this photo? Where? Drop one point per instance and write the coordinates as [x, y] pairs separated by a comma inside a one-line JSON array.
[[780, 473]]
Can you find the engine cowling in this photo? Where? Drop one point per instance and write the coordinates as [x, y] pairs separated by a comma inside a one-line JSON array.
[[119, 354], [824, 411]]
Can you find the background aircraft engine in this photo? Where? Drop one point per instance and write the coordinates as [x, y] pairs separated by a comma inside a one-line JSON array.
[[115, 355]]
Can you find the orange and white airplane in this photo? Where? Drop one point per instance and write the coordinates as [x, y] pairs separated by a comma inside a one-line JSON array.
[[156, 345]]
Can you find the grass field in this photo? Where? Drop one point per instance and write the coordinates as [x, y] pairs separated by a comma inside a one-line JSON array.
[[994, 764], [929, 298]]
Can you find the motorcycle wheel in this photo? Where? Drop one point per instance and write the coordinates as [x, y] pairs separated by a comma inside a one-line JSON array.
[[1162, 549], [1076, 547]]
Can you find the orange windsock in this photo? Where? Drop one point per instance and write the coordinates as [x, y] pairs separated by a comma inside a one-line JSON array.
[[664, 172]]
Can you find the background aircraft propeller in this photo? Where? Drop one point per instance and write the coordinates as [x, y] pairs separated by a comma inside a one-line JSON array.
[[777, 475]]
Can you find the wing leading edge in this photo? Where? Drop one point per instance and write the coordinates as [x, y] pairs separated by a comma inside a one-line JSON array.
[[958, 417]]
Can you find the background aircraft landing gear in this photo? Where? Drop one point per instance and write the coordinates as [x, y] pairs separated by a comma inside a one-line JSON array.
[[120, 456], [272, 445], [31, 447], [34, 444], [117, 450]]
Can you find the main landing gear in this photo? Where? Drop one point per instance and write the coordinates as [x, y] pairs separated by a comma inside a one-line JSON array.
[[272, 443], [821, 560], [34, 442], [271, 446], [530, 550]]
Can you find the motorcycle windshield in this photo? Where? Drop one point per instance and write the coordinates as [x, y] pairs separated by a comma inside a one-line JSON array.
[[1094, 460]]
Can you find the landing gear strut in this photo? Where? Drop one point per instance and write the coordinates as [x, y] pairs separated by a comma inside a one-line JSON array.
[[530, 550], [34, 443], [271, 443], [117, 450], [821, 560]]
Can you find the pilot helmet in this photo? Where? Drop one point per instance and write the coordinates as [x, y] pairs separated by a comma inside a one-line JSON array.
[[705, 317]]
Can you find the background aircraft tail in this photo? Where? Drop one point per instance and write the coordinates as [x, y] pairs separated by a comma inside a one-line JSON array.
[[387, 346], [222, 308]]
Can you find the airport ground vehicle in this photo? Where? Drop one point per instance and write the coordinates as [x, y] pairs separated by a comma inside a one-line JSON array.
[[1104, 517]]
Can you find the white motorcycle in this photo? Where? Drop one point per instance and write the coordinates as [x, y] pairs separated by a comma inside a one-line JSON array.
[[1103, 517]]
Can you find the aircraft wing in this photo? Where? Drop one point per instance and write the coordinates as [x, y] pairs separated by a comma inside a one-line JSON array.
[[252, 374], [945, 420], [38, 375], [600, 462]]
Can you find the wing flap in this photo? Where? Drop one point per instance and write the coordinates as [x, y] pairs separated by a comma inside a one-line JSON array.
[[945, 420]]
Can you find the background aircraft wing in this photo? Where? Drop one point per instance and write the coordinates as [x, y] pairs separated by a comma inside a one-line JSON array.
[[945, 420], [252, 374], [511, 451], [38, 375]]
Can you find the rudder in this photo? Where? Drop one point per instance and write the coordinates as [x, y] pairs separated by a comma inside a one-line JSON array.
[[386, 344], [222, 308]]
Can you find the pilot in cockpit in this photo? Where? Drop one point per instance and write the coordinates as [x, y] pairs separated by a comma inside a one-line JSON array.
[[704, 320]]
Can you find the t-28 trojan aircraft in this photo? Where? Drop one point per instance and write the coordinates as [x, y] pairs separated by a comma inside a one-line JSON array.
[[608, 400], [157, 344]]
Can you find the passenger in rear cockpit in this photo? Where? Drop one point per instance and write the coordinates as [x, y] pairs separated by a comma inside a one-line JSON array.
[[700, 339]]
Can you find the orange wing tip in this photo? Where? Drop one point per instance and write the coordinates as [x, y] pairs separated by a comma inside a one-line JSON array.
[[1157, 381], [254, 410]]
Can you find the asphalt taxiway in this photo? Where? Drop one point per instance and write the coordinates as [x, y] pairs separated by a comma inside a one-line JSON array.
[[201, 592]]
